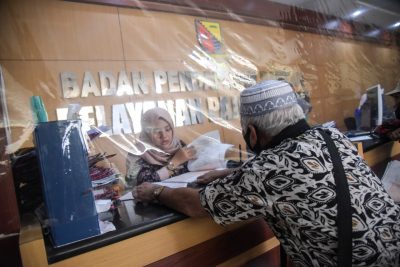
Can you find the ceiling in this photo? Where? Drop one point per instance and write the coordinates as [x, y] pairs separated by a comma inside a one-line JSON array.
[[377, 21], [381, 13]]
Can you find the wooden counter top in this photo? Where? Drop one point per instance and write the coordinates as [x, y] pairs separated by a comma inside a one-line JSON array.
[[159, 241]]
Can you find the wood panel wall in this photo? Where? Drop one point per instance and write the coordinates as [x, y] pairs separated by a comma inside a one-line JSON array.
[[42, 38]]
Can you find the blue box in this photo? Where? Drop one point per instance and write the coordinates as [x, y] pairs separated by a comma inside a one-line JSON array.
[[66, 183]]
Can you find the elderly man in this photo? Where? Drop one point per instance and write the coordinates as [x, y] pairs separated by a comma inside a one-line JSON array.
[[293, 183]]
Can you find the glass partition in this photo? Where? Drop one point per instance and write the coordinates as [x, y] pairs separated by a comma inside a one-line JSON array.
[[107, 63]]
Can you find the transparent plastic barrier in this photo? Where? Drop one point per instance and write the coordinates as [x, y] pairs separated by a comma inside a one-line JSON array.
[[119, 62]]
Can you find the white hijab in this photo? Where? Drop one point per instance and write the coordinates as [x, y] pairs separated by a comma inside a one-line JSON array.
[[153, 156]]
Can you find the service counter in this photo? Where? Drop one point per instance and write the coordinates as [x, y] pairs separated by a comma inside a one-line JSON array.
[[154, 235]]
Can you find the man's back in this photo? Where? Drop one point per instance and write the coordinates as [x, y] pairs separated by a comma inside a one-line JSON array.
[[291, 185]]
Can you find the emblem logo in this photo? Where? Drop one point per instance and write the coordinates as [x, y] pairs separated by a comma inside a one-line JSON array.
[[209, 36]]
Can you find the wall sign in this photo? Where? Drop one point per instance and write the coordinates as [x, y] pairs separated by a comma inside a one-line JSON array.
[[163, 87]]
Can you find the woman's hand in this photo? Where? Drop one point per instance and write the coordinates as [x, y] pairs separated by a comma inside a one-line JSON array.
[[210, 176], [183, 154], [144, 192]]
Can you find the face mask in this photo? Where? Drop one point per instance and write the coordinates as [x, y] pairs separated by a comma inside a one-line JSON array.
[[257, 147]]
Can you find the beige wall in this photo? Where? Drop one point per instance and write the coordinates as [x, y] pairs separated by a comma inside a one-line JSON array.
[[42, 38]]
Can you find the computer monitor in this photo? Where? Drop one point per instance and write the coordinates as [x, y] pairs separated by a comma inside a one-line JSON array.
[[372, 110]]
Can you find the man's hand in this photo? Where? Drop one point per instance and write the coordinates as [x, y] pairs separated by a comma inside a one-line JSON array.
[[395, 135], [144, 192], [213, 175], [184, 200]]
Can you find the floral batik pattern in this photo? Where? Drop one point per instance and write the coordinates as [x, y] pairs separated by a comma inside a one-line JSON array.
[[292, 187]]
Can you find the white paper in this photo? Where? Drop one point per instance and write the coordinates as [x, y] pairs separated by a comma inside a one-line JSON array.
[[102, 205], [391, 180], [360, 138], [106, 226], [171, 185], [181, 180], [186, 177], [127, 196], [210, 152]]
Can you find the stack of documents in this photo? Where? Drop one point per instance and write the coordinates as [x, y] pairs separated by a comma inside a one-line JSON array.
[[105, 180]]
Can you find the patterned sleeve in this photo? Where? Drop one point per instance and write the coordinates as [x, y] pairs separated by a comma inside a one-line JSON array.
[[139, 171], [148, 173], [182, 170], [237, 197]]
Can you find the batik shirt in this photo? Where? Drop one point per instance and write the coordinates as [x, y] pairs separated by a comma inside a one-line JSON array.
[[292, 187]]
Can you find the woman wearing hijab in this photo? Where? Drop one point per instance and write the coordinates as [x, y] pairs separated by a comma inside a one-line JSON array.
[[164, 154]]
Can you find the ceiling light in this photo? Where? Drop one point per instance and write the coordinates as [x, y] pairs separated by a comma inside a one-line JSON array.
[[394, 25], [389, 6], [356, 13]]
